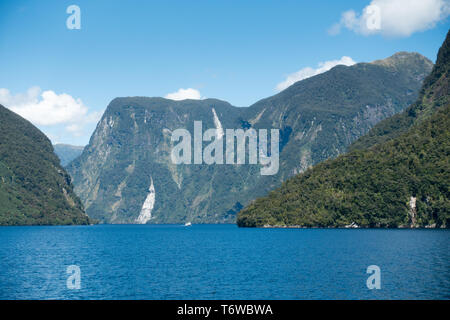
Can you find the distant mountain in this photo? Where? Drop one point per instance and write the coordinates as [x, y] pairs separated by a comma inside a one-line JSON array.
[[125, 173], [432, 96], [398, 175], [34, 188], [67, 152]]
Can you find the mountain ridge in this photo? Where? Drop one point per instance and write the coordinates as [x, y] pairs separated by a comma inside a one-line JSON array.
[[34, 188], [67, 152], [398, 124], [396, 176], [317, 118]]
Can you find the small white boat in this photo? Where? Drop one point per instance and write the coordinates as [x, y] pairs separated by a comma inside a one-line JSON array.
[[188, 224]]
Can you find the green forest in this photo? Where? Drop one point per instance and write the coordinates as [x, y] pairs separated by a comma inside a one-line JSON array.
[[402, 158], [34, 188]]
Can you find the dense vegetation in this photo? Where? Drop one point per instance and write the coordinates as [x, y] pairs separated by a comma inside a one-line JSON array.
[[433, 94], [317, 117], [34, 188], [404, 157]]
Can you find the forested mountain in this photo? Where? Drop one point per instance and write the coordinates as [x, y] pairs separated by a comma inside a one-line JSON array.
[[398, 175], [434, 94], [34, 188], [125, 173]]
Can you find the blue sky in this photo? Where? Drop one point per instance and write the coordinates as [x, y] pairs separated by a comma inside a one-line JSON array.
[[238, 51]]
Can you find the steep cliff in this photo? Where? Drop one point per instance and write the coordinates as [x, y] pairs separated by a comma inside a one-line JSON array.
[[318, 118], [396, 176]]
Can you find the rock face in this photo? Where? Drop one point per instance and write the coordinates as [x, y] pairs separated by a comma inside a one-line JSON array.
[[318, 118], [34, 188], [395, 176]]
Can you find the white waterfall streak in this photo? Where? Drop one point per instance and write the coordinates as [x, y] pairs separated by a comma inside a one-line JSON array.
[[219, 128], [147, 207]]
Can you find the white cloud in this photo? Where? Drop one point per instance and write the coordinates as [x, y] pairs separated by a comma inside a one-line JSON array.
[[394, 18], [49, 109], [182, 94], [309, 72]]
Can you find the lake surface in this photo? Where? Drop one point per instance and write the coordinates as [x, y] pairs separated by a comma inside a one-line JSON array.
[[222, 262]]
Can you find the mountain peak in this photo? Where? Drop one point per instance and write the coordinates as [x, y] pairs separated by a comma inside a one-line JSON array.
[[406, 154], [403, 57], [317, 118]]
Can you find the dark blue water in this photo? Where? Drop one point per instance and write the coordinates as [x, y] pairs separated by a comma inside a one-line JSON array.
[[222, 262]]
